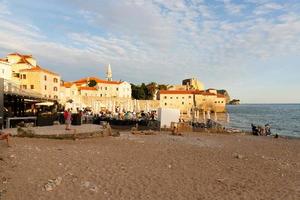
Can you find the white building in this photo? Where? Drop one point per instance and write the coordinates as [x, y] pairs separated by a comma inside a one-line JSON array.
[[5, 69]]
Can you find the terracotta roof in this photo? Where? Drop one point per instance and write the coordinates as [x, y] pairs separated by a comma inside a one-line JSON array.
[[3, 60], [85, 80], [220, 96], [67, 84], [206, 93], [24, 61], [187, 92], [176, 91], [87, 88], [38, 69]]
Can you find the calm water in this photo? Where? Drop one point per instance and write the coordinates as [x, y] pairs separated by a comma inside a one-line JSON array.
[[284, 118]]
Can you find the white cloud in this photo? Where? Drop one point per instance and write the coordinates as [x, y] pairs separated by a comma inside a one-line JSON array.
[[162, 40], [4, 8], [267, 8]]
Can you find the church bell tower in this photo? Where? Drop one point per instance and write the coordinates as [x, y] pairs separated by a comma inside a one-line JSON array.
[[108, 73]]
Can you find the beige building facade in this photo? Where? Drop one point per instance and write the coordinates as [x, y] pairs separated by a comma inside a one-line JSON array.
[[24, 71]]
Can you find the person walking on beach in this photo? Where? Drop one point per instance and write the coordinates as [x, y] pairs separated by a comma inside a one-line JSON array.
[[68, 119]]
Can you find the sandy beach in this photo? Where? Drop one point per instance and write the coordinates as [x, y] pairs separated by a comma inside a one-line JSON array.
[[193, 166]]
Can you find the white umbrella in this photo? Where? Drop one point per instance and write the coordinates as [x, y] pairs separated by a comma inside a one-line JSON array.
[[128, 105], [208, 114], [47, 103], [216, 117], [147, 107], [138, 106], [114, 107], [135, 105]]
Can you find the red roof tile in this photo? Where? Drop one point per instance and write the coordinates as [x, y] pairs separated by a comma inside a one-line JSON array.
[[176, 91], [3, 60], [87, 88], [38, 69], [67, 84], [200, 92], [85, 80]]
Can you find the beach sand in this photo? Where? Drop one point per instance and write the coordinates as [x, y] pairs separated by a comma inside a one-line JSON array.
[[195, 166]]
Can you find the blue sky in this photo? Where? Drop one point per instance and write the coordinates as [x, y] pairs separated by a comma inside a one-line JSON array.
[[249, 47]]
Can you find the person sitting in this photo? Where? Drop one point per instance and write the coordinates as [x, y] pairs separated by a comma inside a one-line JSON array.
[[5, 136], [268, 129], [254, 130]]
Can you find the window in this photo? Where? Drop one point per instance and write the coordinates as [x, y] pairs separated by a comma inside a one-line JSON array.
[[32, 87], [105, 88], [117, 89], [24, 76], [55, 88], [3, 71], [182, 103], [176, 97], [165, 97], [45, 77], [165, 104], [73, 92], [221, 101], [45, 87], [216, 102], [182, 97], [55, 80], [100, 95], [190, 97], [49, 96], [55, 97], [24, 87], [171, 97]]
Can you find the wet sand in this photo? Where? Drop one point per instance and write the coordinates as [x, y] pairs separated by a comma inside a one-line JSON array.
[[195, 166]]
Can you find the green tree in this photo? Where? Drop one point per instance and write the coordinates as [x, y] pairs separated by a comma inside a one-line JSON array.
[[92, 83]]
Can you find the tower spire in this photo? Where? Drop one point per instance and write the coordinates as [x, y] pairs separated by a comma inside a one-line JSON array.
[[108, 73]]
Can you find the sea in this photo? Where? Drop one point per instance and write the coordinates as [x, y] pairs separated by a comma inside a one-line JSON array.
[[283, 118]]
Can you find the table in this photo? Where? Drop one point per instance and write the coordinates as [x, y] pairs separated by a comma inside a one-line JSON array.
[[18, 118]]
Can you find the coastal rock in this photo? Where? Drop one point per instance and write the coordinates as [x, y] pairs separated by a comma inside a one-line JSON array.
[[52, 183], [238, 156]]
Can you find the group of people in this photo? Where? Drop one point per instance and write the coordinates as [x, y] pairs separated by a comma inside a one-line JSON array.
[[261, 130]]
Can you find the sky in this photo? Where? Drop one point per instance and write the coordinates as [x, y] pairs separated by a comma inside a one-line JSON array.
[[251, 48]]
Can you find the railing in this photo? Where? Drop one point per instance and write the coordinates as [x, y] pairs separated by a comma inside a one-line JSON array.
[[13, 88]]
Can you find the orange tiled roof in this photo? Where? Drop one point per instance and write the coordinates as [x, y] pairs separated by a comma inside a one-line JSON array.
[[17, 54], [3, 60], [186, 92], [176, 91], [85, 80], [24, 61], [220, 96], [67, 84], [87, 88], [38, 69]]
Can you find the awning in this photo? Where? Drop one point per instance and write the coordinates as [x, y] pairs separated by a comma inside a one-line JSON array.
[[47, 103]]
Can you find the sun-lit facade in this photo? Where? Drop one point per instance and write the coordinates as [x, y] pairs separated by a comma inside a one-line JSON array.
[[24, 71]]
